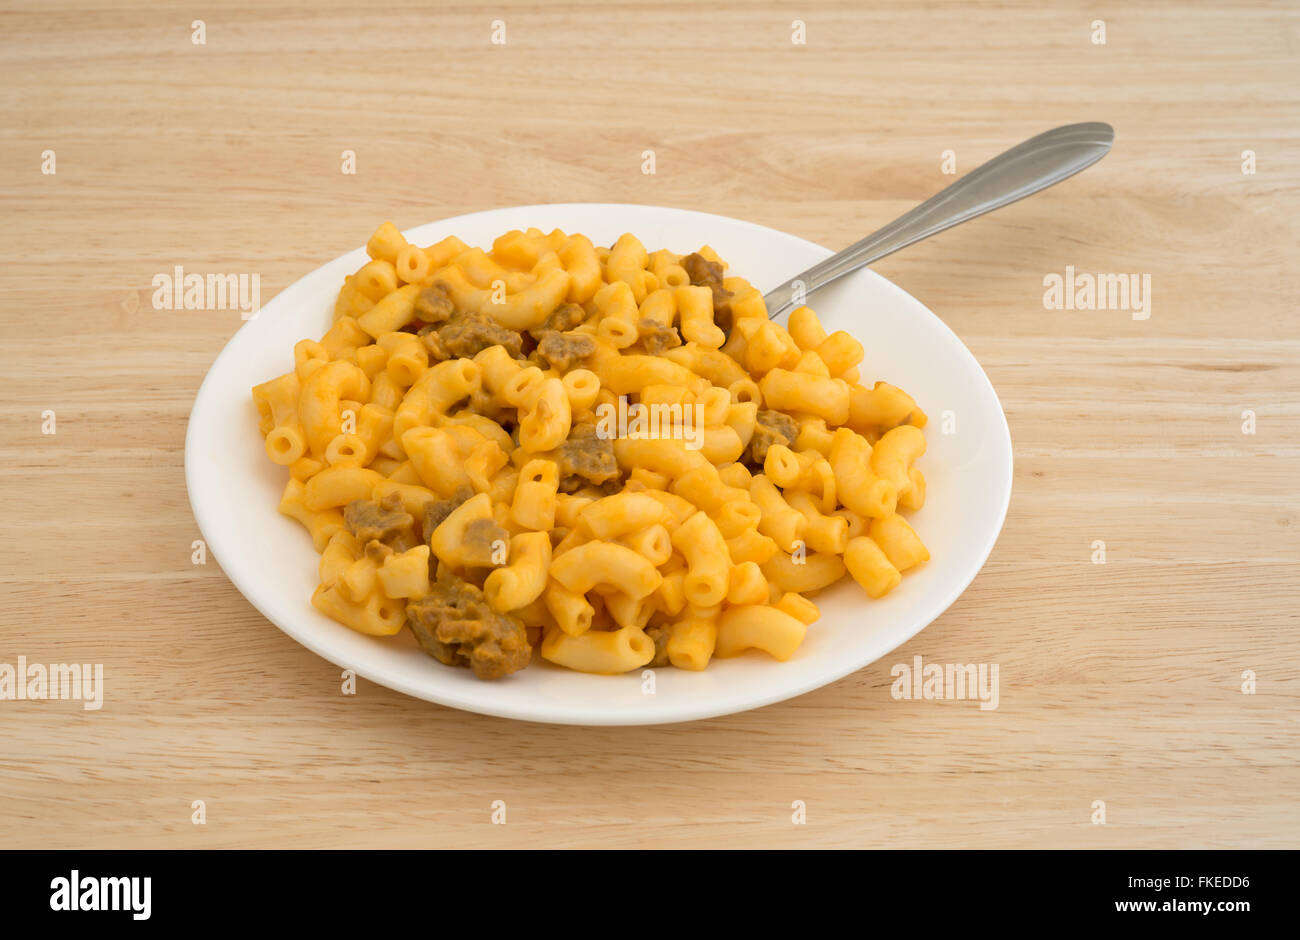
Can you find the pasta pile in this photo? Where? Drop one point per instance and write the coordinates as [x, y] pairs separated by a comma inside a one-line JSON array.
[[607, 454]]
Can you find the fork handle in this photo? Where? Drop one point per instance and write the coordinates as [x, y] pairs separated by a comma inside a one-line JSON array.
[[1023, 170]]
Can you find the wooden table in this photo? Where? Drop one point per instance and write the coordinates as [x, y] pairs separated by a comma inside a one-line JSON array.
[[1120, 682]]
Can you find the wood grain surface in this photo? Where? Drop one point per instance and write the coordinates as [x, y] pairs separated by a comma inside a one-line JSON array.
[[1120, 682]]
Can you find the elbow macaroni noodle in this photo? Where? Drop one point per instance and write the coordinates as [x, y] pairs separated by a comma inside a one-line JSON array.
[[608, 455]]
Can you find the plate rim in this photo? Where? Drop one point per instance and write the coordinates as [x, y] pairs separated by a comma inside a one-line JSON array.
[[564, 714]]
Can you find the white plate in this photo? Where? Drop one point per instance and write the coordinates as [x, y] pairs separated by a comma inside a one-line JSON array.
[[234, 488]]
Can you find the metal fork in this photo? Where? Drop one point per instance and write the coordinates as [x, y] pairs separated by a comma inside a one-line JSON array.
[[1023, 170]]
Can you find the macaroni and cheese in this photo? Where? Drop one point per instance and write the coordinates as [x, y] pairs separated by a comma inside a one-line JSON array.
[[607, 455]]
